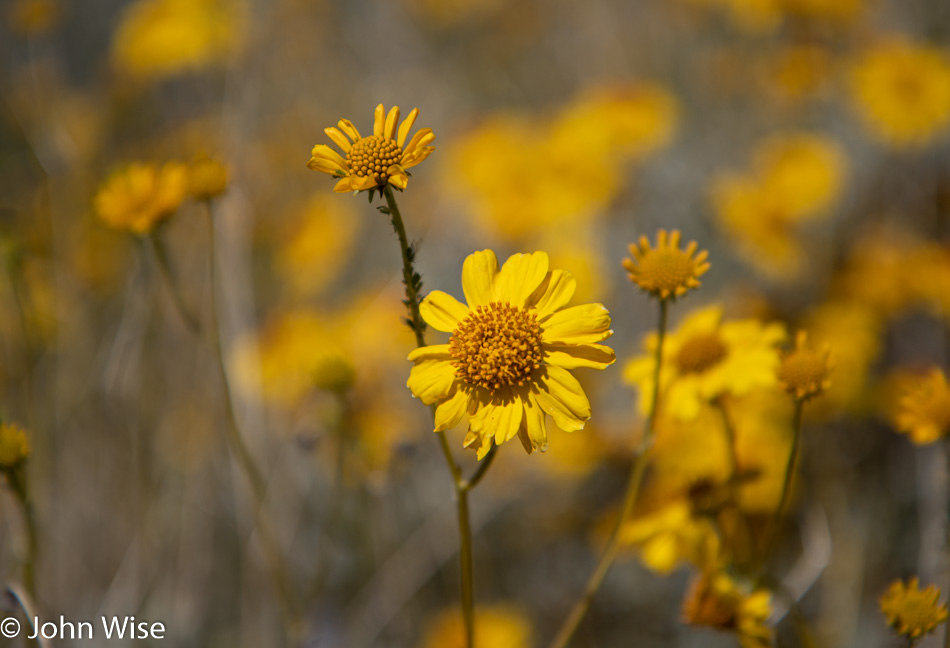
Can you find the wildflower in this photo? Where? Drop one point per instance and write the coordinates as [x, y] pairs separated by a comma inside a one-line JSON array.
[[507, 362], [912, 612], [138, 197], [803, 170], [671, 535], [804, 372], [717, 601], [14, 446], [924, 411], [666, 271], [902, 90], [705, 358], [497, 626], [207, 178], [376, 160]]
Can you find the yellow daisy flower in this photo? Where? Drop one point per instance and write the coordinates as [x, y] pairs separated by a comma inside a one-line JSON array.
[[666, 271], [671, 535], [706, 358], [14, 446], [207, 178], [376, 160], [506, 364], [924, 411], [717, 601], [911, 611], [804, 372], [139, 196], [902, 91], [501, 625]]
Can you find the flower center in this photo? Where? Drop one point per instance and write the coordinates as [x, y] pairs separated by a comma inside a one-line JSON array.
[[804, 372], [700, 352], [370, 157], [704, 606], [497, 345], [667, 269], [936, 409]]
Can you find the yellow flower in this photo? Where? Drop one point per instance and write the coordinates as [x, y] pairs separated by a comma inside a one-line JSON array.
[[139, 196], [207, 178], [496, 626], [376, 160], [803, 171], [506, 364], [804, 372], [717, 601], [14, 446], [161, 38], [912, 612], [924, 411], [706, 358], [902, 91], [666, 271], [671, 535]]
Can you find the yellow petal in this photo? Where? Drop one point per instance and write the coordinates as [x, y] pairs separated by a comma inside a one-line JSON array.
[[554, 293], [584, 324], [361, 184], [324, 151], [592, 356], [326, 166], [423, 134], [533, 426], [338, 138], [389, 129], [431, 352], [478, 278], [417, 156], [379, 120], [431, 380], [397, 176], [561, 396], [520, 276], [347, 127], [450, 411], [442, 311], [484, 443], [499, 419], [345, 185], [407, 126]]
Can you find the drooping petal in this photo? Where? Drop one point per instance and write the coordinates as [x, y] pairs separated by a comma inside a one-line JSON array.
[[561, 396], [499, 419], [535, 435], [389, 128], [407, 126], [482, 443], [345, 185], [569, 356], [478, 278], [322, 151], [584, 324], [338, 138], [450, 411], [554, 293], [361, 184], [431, 380], [379, 120], [442, 311], [417, 156], [324, 165], [397, 176], [431, 352], [520, 276], [347, 127]]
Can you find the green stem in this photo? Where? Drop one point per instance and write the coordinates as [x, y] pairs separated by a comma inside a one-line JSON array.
[[164, 267], [775, 523], [18, 484], [413, 284], [637, 471]]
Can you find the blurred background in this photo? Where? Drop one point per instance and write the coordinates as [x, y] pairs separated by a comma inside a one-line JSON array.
[[804, 143]]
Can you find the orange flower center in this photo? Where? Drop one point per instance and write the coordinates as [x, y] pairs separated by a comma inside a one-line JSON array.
[[666, 270], [371, 157], [704, 606], [497, 345], [804, 372], [700, 352]]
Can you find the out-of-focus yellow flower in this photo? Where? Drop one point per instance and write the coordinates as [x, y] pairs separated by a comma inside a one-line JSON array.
[[14, 446], [496, 626], [666, 271], [671, 535], [902, 91], [160, 38], [911, 611], [506, 364], [139, 196], [803, 171], [207, 178], [886, 254], [924, 410], [717, 601], [705, 358], [33, 16], [376, 160], [804, 373], [798, 72]]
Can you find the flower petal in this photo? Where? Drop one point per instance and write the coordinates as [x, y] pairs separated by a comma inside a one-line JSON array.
[[561, 396], [322, 151], [520, 276], [324, 165], [484, 443], [431, 352], [534, 435], [345, 185], [417, 139], [338, 138], [554, 293], [500, 419], [431, 380], [397, 176], [379, 120], [449, 412], [389, 128], [584, 324], [478, 278], [568, 356], [347, 127], [442, 311], [417, 156], [407, 126]]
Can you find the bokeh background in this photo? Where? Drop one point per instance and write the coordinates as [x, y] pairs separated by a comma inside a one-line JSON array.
[[804, 143]]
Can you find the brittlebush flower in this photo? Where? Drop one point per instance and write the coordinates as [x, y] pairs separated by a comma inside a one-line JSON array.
[[139, 196], [14, 446], [497, 626], [902, 91], [911, 611], [717, 601], [924, 411], [207, 178], [666, 271], [804, 372], [377, 160], [506, 364]]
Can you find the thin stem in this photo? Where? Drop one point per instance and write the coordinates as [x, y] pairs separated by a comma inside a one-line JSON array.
[[775, 523], [164, 267], [630, 497], [17, 480], [946, 626], [483, 467]]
